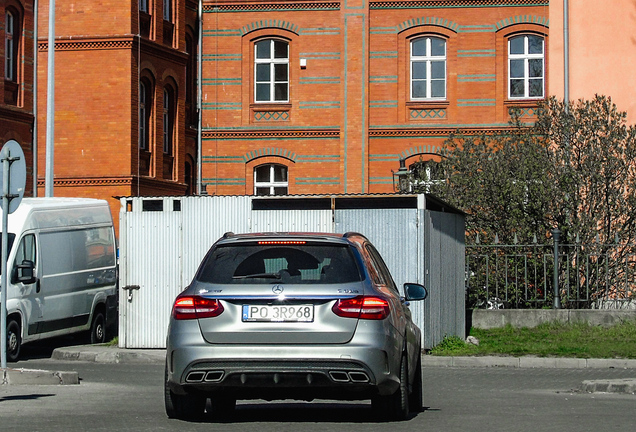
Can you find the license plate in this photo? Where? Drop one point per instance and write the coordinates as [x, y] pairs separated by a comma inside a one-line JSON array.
[[278, 313]]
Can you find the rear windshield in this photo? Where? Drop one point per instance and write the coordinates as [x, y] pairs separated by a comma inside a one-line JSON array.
[[266, 264]]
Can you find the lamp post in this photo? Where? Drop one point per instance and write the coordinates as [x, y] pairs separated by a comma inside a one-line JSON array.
[[401, 178]]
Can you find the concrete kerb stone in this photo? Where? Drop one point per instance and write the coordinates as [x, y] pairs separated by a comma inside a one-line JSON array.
[[106, 354], [528, 362], [626, 386], [37, 377]]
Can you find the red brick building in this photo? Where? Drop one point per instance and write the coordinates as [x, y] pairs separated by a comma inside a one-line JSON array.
[[311, 96], [16, 87], [124, 111], [299, 97]]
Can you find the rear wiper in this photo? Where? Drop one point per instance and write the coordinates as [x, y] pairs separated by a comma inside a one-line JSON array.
[[258, 276]]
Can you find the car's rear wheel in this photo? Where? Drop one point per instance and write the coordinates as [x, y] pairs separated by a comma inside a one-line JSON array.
[[183, 407], [222, 408], [415, 398], [395, 406]]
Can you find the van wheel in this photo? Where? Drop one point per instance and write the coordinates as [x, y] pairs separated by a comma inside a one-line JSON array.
[[98, 329], [14, 340]]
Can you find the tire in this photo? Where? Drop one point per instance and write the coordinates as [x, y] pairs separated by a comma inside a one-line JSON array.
[[222, 408], [98, 329], [415, 398], [395, 406], [182, 407], [14, 340]]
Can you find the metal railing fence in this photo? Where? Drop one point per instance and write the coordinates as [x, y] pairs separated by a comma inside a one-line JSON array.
[[520, 276]]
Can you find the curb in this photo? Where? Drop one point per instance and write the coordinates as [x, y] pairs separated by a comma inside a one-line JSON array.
[[108, 355], [37, 377], [625, 386], [528, 362]]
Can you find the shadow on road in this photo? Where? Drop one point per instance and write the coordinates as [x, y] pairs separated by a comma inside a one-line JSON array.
[[302, 412]]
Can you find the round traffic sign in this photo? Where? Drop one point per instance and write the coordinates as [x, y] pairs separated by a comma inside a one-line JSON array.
[[12, 159]]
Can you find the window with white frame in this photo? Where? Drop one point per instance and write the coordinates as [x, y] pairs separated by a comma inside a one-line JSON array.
[[10, 45], [167, 10], [526, 67], [168, 120], [425, 174], [143, 5], [271, 71], [270, 179], [428, 68]]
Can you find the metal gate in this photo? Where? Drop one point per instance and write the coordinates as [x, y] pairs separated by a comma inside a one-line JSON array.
[[162, 241]]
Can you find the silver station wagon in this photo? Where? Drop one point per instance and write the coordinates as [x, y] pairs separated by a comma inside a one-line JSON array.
[[293, 316]]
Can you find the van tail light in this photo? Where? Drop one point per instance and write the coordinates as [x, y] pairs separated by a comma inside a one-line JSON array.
[[361, 307], [196, 307]]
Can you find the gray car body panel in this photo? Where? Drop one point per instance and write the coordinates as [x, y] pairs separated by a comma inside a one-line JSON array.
[[298, 360]]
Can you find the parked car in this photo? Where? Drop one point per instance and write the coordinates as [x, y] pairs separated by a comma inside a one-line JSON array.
[[62, 270], [293, 316]]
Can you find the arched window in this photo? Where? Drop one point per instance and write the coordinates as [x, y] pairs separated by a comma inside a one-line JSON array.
[[168, 120], [526, 67], [271, 71], [167, 10], [270, 179], [428, 68], [145, 113], [11, 45]]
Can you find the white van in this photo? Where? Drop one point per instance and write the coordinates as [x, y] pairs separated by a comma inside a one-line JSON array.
[[62, 270]]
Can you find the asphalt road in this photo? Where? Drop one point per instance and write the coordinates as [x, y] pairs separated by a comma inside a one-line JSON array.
[[129, 397]]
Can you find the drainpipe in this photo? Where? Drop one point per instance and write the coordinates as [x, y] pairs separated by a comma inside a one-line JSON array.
[[199, 111], [34, 138], [566, 54]]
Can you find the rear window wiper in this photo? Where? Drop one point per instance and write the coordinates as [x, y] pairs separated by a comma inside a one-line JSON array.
[[258, 276]]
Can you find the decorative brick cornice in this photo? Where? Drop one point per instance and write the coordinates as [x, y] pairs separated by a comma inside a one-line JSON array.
[[242, 6], [89, 44], [437, 4], [441, 132], [91, 181], [260, 134]]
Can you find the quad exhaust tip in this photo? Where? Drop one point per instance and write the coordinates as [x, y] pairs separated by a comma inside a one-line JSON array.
[[343, 377], [204, 376]]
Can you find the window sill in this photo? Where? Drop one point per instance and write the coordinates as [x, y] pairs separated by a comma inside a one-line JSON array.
[[528, 108], [270, 112], [429, 110]]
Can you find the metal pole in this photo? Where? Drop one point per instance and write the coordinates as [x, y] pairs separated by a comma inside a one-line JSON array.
[[566, 54], [50, 104], [34, 139], [556, 233], [199, 92], [3, 281]]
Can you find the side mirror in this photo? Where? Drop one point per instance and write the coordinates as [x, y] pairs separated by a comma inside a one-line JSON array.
[[413, 291], [24, 272]]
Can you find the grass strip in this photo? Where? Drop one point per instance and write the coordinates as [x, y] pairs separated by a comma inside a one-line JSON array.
[[554, 339]]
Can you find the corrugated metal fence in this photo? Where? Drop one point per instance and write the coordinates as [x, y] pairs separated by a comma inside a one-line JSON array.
[[162, 241]]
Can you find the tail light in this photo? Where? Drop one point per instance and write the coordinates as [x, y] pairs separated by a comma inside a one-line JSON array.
[[371, 308], [195, 307]]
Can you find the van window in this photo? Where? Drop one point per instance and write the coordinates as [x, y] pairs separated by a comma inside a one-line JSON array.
[[11, 237], [26, 250], [77, 250]]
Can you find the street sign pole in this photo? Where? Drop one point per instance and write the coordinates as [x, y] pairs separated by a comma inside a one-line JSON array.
[[13, 183]]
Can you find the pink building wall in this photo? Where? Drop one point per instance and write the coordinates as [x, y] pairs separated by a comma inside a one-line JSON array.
[[602, 51]]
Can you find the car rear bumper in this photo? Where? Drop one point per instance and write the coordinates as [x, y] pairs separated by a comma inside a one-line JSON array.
[[341, 371]]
